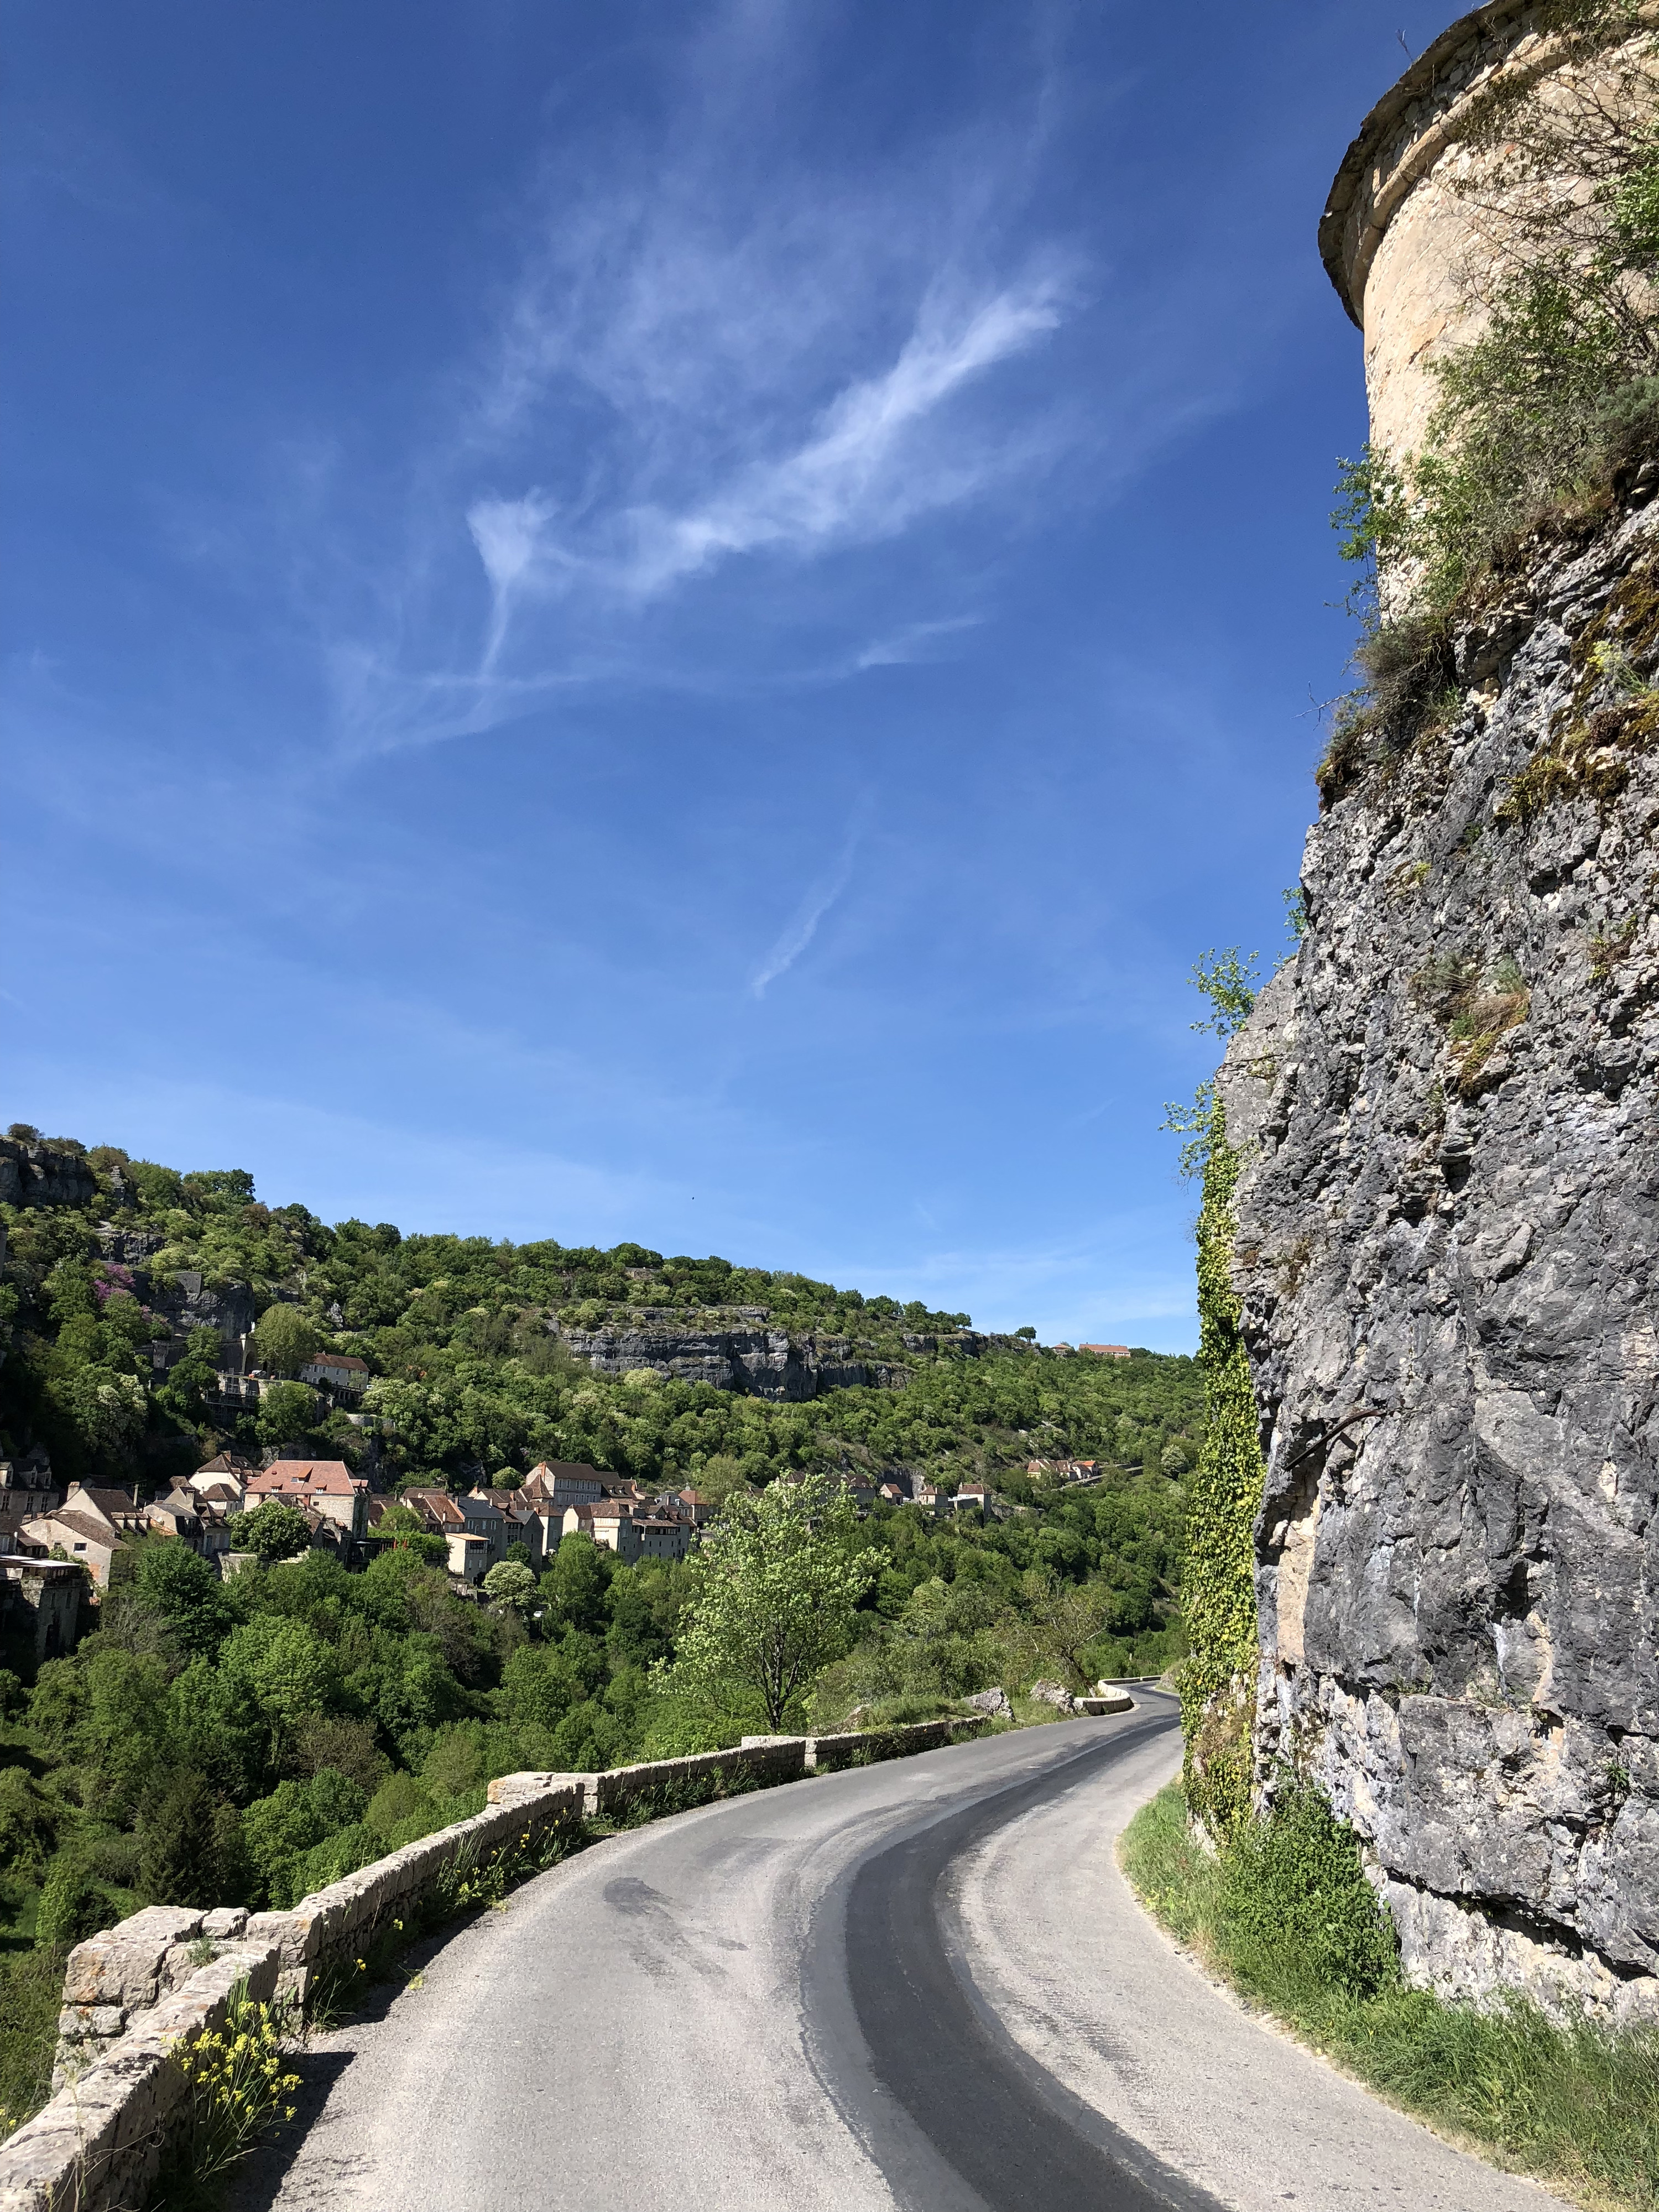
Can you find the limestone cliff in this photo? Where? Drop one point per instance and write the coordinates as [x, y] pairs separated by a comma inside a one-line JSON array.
[[1448, 1253], [741, 1353], [36, 1172]]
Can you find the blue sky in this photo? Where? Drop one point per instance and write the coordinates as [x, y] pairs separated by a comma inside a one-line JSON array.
[[672, 622]]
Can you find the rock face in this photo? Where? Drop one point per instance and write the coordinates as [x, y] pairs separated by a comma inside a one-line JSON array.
[[42, 1174], [764, 1363], [1448, 1254]]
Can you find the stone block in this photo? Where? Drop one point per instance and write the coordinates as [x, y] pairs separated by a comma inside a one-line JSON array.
[[123, 1965]]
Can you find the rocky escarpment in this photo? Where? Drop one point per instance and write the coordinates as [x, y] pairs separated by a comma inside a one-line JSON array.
[[748, 1357], [37, 1173], [1447, 1252]]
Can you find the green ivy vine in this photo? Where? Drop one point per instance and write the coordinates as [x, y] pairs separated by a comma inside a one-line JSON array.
[[1217, 1678]]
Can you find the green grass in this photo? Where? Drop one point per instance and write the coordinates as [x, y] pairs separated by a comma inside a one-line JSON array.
[[1571, 2104]]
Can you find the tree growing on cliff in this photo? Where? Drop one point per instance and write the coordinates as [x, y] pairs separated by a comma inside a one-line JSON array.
[[288, 1412], [776, 1587], [285, 1339]]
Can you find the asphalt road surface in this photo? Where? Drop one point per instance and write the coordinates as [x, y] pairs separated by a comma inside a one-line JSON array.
[[921, 1985]]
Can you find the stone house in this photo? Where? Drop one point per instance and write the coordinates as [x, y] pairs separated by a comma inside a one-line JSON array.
[[84, 1532], [337, 1371], [663, 1537], [473, 1526], [563, 1482], [326, 1485], [610, 1522], [224, 1478], [178, 1514], [27, 1486], [522, 1523]]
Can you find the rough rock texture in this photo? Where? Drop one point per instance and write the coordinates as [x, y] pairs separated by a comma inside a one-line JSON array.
[[41, 1175], [763, 1363], [995, 1702], [1447, 1250]]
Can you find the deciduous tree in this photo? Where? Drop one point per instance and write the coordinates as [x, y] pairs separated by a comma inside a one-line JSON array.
[[775, 1586]]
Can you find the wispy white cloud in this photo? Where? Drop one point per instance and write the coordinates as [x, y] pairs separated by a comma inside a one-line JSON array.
[[508, 533], [716, 364], [912, 643], [873, 461], [803, 925]]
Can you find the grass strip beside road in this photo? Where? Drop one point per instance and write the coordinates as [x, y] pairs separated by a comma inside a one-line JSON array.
[[1571, 2104]]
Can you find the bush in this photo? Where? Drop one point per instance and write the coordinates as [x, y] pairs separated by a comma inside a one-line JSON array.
[[74, 1903], [1294, 1905]]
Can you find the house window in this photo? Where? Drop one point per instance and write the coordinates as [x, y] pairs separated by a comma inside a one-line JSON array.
[[80, 1547]]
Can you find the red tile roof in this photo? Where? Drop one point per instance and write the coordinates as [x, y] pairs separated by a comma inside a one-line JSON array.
[[305, 1478]]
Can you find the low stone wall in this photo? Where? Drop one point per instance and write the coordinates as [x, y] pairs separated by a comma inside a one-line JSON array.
[[328, 1926], [97, 2147], [868, 1747], [135, 1995]]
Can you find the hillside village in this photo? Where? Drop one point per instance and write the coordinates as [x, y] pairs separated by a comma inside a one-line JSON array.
[[181, 1356], [61, 1545]]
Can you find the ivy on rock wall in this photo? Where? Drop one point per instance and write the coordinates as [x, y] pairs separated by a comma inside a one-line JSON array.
[[1217, 1680]]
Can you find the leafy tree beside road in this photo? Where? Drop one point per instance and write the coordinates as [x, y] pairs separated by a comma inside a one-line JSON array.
[[775, 1590]]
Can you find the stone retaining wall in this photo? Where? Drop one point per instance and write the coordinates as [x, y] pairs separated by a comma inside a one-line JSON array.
[[137, 1995], [97, 2147]]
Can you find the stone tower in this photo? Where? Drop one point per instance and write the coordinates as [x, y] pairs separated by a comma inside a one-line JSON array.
[[1408, 243]]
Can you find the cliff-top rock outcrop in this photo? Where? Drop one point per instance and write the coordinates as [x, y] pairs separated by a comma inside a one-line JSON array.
[[759, 1361]]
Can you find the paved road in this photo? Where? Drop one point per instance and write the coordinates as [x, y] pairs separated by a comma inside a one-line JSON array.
[[921, 1987]]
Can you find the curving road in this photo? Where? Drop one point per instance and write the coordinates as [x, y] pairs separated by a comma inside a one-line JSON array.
[[922, 1985]]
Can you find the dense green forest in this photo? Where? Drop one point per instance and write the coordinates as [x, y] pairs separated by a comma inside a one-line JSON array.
[[251, 1740]]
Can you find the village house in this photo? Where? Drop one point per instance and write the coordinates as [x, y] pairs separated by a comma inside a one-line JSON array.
[[474, 1516], [610, 1522], [972, 1493], [336, 1371], [223, 1479], [563, 1482], [1068, 1470], [1107, 1350], [699, 1509], [178, 1514], [40, 1602], [663, 1537], [327, 1486], [27, 1486], [550, 1489], [84, 1529], [521, 1523]]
